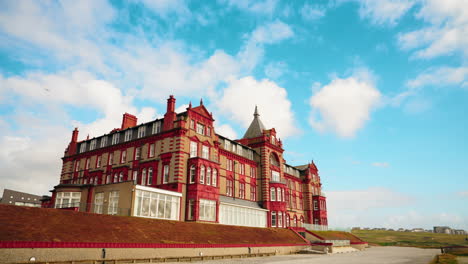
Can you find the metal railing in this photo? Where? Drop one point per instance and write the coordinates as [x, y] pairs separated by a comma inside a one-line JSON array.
[[314, 227]]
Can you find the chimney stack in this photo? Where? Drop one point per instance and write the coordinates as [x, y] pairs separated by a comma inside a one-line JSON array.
[[128, 120], [170, 116], [171, 104], [75, 135]]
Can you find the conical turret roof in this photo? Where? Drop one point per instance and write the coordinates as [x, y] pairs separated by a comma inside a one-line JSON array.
[[256, 127]]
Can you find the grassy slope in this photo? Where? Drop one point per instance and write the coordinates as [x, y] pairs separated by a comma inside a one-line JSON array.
[[423, 240]]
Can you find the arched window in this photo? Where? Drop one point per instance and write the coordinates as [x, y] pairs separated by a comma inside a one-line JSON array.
[[287, 221], [301, 223], [193, 170], [202, 174], [295, 221], [150, 176], [115, 177], [283, 196], [143, 177], [215, 177], [135, 176], [208, 176], [121, 176], [272, 194], [278, 194]]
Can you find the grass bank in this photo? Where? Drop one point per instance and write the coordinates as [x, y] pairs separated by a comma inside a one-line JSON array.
[[410, 239]]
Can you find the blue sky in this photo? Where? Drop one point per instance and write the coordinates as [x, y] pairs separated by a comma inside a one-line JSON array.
[[375, 92]]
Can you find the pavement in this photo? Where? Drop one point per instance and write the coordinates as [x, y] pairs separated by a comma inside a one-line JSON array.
[[373, 255]]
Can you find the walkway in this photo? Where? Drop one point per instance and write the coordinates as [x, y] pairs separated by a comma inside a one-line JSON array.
[[381, 255]]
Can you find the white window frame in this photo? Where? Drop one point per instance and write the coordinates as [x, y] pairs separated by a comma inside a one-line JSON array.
[[110, 160], [272, 194], [202, 174], [92, 144], [143, 176], [103, 141], [67, 199], [166, 173], [137, 153], [275, 176], [113, 203], [200, 128], [150, 176], [151, 150], [98, 161], [193, 149], [123, 156], [156, 128], [128, 135], [208, 175], [115, 138], [214, 180], [99, 203], [207, 210], [192, 173], [83, 147], [205, 152], [141, 131], [273, 219]]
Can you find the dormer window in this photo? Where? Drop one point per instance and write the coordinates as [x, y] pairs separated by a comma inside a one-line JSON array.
[[141, 131], [83, 147], [115, 138], [103, 141], [92, 144], [156, 128], [128, 135]]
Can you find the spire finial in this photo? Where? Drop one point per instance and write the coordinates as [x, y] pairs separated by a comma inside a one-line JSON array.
[[190, 104], [201, 101], [256, 112]]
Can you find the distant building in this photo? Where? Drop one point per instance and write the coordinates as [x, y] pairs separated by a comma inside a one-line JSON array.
[[442, 229], [417, 230], [458, 232], [12, 197]]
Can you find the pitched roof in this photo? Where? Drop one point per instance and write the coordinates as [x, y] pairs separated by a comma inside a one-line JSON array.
[[28, 224], [256, 127]]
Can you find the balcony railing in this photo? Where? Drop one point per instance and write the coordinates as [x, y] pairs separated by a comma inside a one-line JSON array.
[[314, 227]]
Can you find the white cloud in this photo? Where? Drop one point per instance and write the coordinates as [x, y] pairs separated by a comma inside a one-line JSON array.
[[446, 32], [381, 164], [441, 76], [463, 194], [344, 105], [273, 104], [384, 12], [272, 33], [266, 7], [226, 131], [309, 12], [274, 70]]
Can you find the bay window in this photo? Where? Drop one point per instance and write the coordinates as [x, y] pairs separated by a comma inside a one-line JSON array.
[[193, 171], [159, 204], [202, 174], [208, 176], [273, 219], [67, 199], [272, 194], [215, 177]]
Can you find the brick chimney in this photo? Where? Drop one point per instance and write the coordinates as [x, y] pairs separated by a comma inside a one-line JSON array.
[[128, 120], [71, 149], [170, 115]]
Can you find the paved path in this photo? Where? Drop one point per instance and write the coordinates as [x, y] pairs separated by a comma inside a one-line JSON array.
[[373, 255], [462, 260]]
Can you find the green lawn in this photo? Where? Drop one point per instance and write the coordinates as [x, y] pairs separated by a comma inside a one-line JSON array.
[[409, 239]]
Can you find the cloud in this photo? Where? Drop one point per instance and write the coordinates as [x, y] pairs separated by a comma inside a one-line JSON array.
[[265, 7], [381, 164], [463, 194], [445, 33], [226, 130], [274, 70], [344, 105], [271, 99], [310, 13], [384, 12], [441, 76]]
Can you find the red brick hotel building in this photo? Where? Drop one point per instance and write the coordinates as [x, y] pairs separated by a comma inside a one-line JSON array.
[[179, 168]]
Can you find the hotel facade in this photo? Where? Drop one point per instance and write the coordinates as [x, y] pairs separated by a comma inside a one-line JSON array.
[[179, 168]]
